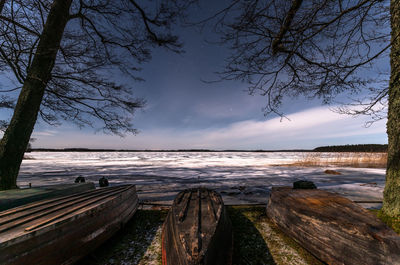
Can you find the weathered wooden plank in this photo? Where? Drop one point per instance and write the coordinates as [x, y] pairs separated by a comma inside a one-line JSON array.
[[333, 228], [13, 198], [197, 230], [45, 211], [46, 205], [73, 233]]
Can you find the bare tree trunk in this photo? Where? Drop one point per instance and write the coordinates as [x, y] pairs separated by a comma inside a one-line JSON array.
[[16, 138], [391, 202]]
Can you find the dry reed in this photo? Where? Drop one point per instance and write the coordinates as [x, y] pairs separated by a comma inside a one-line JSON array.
[[346, 159]]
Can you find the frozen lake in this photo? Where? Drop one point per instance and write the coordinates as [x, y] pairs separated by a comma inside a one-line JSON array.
[[241, 177]]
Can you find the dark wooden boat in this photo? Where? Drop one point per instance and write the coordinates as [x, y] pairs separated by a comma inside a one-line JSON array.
[[333, 228], [64, 229], [197, 230]]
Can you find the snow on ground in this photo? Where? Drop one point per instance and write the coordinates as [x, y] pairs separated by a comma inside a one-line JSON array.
[[241, 177]]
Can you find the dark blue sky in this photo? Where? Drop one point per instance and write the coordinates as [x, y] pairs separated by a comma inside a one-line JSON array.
[[184, 112]]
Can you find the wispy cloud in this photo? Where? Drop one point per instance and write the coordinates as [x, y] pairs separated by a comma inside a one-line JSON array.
[[45, 133], [306, 126], [305, 129]]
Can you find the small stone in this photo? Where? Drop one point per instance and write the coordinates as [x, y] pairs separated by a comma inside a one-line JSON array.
[[370, 184], [103, 182], [232, 193], [80, 179], [304, 184], [332, 172]]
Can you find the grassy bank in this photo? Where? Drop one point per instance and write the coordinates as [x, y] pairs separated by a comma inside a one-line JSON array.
[[137, 243], [256, 241]]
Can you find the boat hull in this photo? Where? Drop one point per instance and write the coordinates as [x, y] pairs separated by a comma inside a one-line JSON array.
[[333, 228], [63, 230], [197, 230]]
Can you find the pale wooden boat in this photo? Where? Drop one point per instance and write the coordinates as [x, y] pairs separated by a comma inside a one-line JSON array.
[[333, 228], [64, 229], [197, 230]]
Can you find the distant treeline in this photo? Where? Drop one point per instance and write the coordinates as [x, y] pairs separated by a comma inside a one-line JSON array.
[[155, 151], [353, 148], [334, 148]]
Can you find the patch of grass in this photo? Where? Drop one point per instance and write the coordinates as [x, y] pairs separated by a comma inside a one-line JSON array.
[[346, 159], [139, 242], [249, 247], [251, 226], [393, 222]]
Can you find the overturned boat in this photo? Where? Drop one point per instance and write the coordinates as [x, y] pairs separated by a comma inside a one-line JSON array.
[[333, 228], [197, 230], [62, 230]]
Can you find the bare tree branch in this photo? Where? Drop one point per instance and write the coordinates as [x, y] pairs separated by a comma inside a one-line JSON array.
[[316, 48], [103, 46], [286, 25]]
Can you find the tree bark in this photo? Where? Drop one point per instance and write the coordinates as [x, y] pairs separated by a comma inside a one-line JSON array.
[[391, 202], [16, 138], [2, 2]]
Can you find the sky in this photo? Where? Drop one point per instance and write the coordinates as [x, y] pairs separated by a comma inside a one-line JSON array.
[[184, 112]]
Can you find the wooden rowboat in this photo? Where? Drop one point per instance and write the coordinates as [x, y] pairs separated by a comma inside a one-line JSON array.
[[64, 229], [333, 228], [197, 230]]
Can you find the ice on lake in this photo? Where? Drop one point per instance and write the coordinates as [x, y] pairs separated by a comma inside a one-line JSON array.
[[241, 177]]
